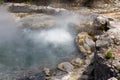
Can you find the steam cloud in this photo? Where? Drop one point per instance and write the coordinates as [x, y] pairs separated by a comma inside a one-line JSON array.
[[27, 48]]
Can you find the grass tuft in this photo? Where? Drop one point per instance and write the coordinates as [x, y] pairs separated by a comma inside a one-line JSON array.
[[109, 54]]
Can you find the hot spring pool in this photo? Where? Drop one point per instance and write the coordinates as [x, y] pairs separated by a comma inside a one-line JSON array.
[[26, 49]]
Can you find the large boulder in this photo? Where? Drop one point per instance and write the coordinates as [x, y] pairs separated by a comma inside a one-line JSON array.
[[103, 67], [108, 55], [100, 21], [100, 24], [105, 23], [110, 38], [85, 43]]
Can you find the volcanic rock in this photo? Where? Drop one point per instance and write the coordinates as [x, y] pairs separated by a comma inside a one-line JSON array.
[[113, 24], [108, 67], [100, 23], [85, 43], [77, 62], [110, 38], [66, 66], [101, 20]]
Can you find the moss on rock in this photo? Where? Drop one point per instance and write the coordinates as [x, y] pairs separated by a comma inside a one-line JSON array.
[[109, 54]]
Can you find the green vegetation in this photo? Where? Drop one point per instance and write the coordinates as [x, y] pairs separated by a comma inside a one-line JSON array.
[[109, 54]]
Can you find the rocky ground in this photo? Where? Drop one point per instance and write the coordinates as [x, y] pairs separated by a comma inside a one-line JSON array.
[[98, 40]]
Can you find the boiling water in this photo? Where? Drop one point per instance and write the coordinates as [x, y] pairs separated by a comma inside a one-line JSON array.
[[24, 49]]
